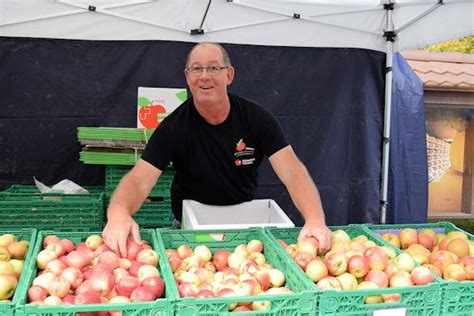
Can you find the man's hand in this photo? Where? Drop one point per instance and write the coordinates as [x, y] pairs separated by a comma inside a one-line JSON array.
[[120, 227], [319, 231]]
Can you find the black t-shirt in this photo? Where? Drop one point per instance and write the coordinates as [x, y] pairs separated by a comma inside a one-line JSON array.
[[215, 164]]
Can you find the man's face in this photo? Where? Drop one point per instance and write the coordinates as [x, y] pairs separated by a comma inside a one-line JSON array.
[[207, 89]]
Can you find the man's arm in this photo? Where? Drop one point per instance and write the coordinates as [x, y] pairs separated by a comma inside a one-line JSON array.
[[304, 194], [127, 198]]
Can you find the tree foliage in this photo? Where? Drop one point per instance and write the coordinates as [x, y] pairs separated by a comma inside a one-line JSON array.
[[463, 45]]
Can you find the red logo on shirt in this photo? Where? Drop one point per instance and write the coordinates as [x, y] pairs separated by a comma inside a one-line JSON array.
[[238, 162], [240, 145]]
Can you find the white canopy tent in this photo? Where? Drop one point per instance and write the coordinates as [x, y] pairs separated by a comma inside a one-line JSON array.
[[385, 26]]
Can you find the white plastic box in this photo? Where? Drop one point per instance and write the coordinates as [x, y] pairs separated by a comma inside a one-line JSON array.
[[256, 213]]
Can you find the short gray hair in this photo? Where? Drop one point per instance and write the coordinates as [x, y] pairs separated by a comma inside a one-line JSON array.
[[225, 55]]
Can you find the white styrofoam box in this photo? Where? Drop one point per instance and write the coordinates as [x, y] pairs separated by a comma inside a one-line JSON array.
[[256, 213]]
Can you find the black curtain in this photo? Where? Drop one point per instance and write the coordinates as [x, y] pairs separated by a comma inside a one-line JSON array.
[[328, 100]]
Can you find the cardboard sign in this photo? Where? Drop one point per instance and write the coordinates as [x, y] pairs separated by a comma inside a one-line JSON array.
[[154, 104]]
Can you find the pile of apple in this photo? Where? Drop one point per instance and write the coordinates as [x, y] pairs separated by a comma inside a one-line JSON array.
[[90, 273], [12, 259], [357, 264], [245, 271], [450, 256]]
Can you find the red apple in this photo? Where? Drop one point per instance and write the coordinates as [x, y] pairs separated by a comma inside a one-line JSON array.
[[421, 275], [220, 259], [378, 277], [148, 256], [329, 282], [94, 241], [59, 287], [316, 270], [126, 285], [37, 293], [358, 266], [255, 246], [336, 264], [155, 285]]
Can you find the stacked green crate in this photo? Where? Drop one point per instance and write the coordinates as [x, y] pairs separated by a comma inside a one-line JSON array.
[[80, 212], [417, 300], [160, 307], [156, 211], [6, 308], [20, 188], [458, 297], [302, 301]]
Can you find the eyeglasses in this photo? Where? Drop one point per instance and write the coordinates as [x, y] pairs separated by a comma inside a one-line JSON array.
[[211, 70]]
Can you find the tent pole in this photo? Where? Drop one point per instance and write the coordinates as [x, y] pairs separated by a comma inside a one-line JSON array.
[[390, 35]]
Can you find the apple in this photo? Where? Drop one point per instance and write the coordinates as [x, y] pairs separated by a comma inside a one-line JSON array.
[[434, 269], [184, 251], [392, 239], [77, 259], [391, 298], [336, 264], [263, 277], [370, 299], [73, 275], [59, 287], [378, 277], [17, 267], [360, 238], [254, 287], [358, 266], [408, 237], [390, 270], [308, 244], [126, 285], [8, 284], [124, 263], [18, 249], [401, 279], [467, 262], [404, 262], [67, 245], [329, 282], [426, 241], [6, 239], [255, 245], [146, 271], [421, 275], [442, 258], [457, 234], [110, 259], [348, 281], [175, 262], [234, 260], [119, 299], [458, 246], [187, 289], [37, 293], [340, 236], [94, 241], [390, 252], [119, 273], [44, 257], [55, 266], [133, 270], [53, 300], [419, 253], [4, 254], [277, 278], [155, 285], [204, 294], [454, 271], [260, 305], [303, 258], [6, 268], [316, 270], [378, 259], [242, 250], [133, 248], [90, 297], [102, 282], [203, 252], [44, 279], [258, 257], [148, 256]]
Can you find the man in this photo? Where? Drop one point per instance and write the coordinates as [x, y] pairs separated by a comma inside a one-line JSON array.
[[216, 142]]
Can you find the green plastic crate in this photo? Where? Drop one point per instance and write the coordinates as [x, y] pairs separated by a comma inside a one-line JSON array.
[[458, 297], [302, 302], [418, 300], [52, 211], [162, 306], [20, 188], [154, 214], [29, 234], [113, 175]]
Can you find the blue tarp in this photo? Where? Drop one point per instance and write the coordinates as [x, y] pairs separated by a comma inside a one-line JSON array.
[[408, 168]]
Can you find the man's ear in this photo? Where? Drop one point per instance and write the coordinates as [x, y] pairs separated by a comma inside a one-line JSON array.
[[230, 75], [186, 75]]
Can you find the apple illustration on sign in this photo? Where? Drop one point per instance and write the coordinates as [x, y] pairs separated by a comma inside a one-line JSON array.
[[240, 145], [149, 112]]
